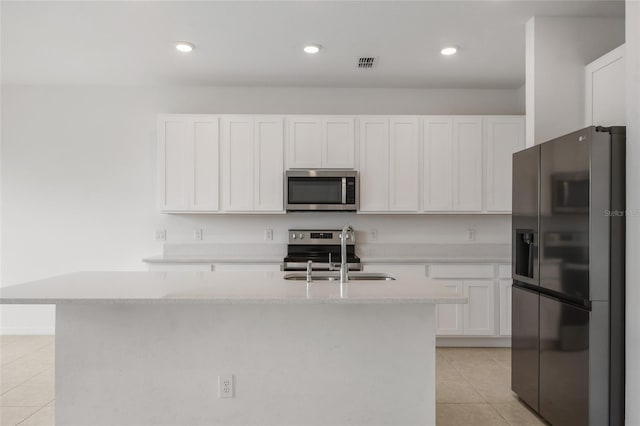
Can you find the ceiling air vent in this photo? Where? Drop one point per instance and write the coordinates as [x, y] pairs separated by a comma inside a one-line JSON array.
[[366, 62]]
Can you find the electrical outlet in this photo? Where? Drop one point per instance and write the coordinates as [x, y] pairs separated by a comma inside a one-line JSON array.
[[268, 234], [374, 235], [197, 234], [160, 234], [471, 234], [225, 386]]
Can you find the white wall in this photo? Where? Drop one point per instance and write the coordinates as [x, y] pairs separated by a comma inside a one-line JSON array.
[[633, 204], [78, 175], [557, 49]]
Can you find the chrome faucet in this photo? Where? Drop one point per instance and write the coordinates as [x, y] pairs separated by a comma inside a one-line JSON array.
[[309, 269], [347, 232]]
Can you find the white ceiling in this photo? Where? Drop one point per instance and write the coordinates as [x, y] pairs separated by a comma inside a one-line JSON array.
[[260, 43]]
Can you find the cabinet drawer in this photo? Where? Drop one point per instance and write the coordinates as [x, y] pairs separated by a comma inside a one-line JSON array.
[[460, 271], [257, 267], [180, 267], [394, 268]]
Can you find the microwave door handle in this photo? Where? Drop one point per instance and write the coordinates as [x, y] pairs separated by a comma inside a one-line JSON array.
[[344, 190]]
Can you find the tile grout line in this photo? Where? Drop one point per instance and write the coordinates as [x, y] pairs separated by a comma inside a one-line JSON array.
[[34, 413]]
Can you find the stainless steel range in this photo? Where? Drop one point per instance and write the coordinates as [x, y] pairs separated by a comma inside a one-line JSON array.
[[321, 247]]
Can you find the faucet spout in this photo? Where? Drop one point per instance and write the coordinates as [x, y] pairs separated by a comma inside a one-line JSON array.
[[347, 232]]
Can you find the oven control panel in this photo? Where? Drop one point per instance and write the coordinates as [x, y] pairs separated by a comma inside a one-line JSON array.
[[314, 237]]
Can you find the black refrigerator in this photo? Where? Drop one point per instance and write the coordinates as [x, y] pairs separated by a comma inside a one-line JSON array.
[[568, 277]]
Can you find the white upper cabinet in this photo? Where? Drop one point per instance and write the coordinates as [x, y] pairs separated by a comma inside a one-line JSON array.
[[437, 139], [304, 142], [403, 164], [389, 164], [320, 142], [605, 90], [505, 135], [188, 163], [252, 164], [467, 164], [374, 164], [269, 164], [452, 164]]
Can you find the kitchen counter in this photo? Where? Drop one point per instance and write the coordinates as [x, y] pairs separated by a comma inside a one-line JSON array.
[[208, 253], [222, 287], [150, 348]]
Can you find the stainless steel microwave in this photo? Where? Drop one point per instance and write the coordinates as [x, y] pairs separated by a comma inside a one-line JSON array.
[[321, 190]]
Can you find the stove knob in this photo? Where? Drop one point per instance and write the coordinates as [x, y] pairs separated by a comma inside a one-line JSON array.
[[294, 236], [301, 236]]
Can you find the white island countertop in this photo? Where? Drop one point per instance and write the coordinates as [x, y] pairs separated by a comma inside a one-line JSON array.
[[223, 288]]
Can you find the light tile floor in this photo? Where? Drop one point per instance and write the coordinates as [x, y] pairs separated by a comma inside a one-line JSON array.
[[472, 385]]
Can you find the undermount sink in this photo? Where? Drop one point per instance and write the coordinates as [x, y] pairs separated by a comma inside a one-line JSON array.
[[335, 276]]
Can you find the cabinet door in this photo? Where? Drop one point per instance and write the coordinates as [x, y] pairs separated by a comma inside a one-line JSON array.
[[338, 143], [505, 307], [238, 163], [605, 90], [205, 194], [403, 164], [269, 167], [174, 135], [374, 164], [479, 314], [438, 163], [505, 135], [449, 317], [467, 166], [304, 143]]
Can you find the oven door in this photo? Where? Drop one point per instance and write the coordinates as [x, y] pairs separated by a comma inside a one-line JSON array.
[[320, 190]]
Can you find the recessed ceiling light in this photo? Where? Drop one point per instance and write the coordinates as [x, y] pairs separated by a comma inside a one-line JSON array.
[[184, 46], [449, 50], [312, 48]]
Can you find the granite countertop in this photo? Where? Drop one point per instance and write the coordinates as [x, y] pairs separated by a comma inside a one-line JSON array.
[[223, 288]]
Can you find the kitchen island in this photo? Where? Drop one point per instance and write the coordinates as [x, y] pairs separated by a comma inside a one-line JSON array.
[[155, 348]]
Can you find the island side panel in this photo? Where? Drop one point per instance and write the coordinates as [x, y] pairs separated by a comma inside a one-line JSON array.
[[158, 364]]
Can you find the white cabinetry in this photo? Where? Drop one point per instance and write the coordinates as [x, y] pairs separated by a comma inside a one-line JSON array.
[[209, 267], [605, 90], [320, 142], [505, 306], [467, 164], [504, 285], [188, 150], [505, 135], [474, 281], [437, 139], [478, 316], [252, 166], [449, 317], [389, 164], [453, 164]]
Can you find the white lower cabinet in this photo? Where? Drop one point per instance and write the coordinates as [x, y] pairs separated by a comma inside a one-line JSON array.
[[395, 268], [505, 307], [209, 267], [449, 317], [180, 267], [253, 267], [485, 287], [478, 316]]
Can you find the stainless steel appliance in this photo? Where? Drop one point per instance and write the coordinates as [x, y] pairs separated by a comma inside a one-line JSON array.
[[321, 247], [324, 190], [568, 277]]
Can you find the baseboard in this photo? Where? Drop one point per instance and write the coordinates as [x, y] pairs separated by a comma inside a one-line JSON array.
[[27, 331], [470, 342]]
